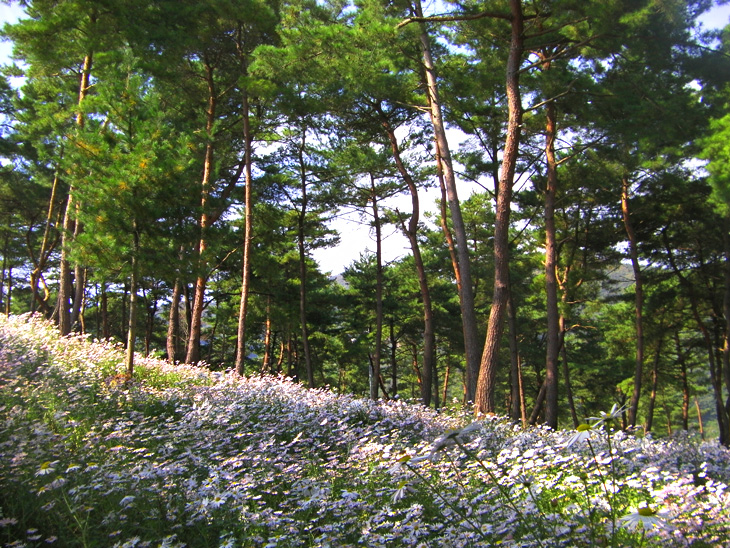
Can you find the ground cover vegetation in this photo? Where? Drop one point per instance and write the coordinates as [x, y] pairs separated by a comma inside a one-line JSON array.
[[170, 168], [182, 456]]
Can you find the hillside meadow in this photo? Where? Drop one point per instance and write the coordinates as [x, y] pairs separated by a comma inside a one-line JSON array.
[[184, 456]]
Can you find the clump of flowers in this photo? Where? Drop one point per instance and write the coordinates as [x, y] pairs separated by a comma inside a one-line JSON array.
[[186, 457], [594, 486]]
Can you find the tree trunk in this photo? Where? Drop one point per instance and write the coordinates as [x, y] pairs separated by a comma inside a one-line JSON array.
[[538, 404], [303, 305], [43, 254], [566, 372], [212, 332], [638, 301], [193, 347], [64, 276], [435, 381], [82, 315], [393, 358], [699, 418], [723, 417], [466, 295], [726, 310], [521, 386], [375, 358], [454, 263], [517, 411], [518, 407], [247, 242], [9, 293], [655, 383], [77, 310], [280, 359], [445, 387], [173, 324], [565, 300], [188, 311], [416, 367], [445, 226], [290, 361], [429, 336], [268, 343], [484, 402], [105, 330], [301, 243], [667, 413], [132, 326], [382, 387], [192, 354], [152, 305], [685, 395], [652, 398], [551, 279], [6, 248]]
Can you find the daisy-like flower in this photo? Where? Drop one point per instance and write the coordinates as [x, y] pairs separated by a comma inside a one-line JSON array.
[[406, 460], [58, 482], [216, 501], [443, 443], [581, 434], [127, 501], [168, 541], [645, 517], [400, 493], [452, 437], [131, 543], [46, 468], [227, 541], [525, 479], [609, 418]]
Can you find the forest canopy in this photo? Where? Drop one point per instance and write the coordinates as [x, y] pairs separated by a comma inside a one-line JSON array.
[[170, 167]]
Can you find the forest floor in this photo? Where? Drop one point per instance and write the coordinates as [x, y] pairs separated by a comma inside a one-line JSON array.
[[181, 456]]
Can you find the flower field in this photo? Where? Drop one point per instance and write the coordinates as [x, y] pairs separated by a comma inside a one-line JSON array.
[[182, 456]]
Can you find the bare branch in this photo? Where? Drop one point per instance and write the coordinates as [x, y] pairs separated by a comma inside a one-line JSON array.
[[452, 18], [552, 30], [551, 99]]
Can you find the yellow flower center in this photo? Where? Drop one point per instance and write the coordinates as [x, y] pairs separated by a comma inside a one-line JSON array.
[[646, 511]]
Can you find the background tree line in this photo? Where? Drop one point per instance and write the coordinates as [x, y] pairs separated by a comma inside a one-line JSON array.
[[168, 168]]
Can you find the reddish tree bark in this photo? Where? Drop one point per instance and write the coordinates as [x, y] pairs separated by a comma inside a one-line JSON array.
[[466, 293], [484, 400]]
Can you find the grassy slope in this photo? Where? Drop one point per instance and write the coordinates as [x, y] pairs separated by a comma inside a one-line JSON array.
[[182, 456]]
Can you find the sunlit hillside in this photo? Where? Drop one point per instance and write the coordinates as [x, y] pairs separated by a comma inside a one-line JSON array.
[[181, 456]]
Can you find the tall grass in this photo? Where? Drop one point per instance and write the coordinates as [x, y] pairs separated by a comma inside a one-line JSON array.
[[182, 456]]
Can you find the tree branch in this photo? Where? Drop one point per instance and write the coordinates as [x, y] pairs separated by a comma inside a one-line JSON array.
[[451, 18]]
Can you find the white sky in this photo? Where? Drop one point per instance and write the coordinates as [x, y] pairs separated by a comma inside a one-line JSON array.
[[717, 17], [8, 14], [356, 237]]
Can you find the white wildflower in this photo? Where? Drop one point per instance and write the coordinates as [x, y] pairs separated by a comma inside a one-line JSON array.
[[46, 468], [609, 418], [127, 501], [582, 433], [644, 517]]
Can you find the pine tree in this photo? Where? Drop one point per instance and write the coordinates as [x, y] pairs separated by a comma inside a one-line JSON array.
[[138, 160]]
